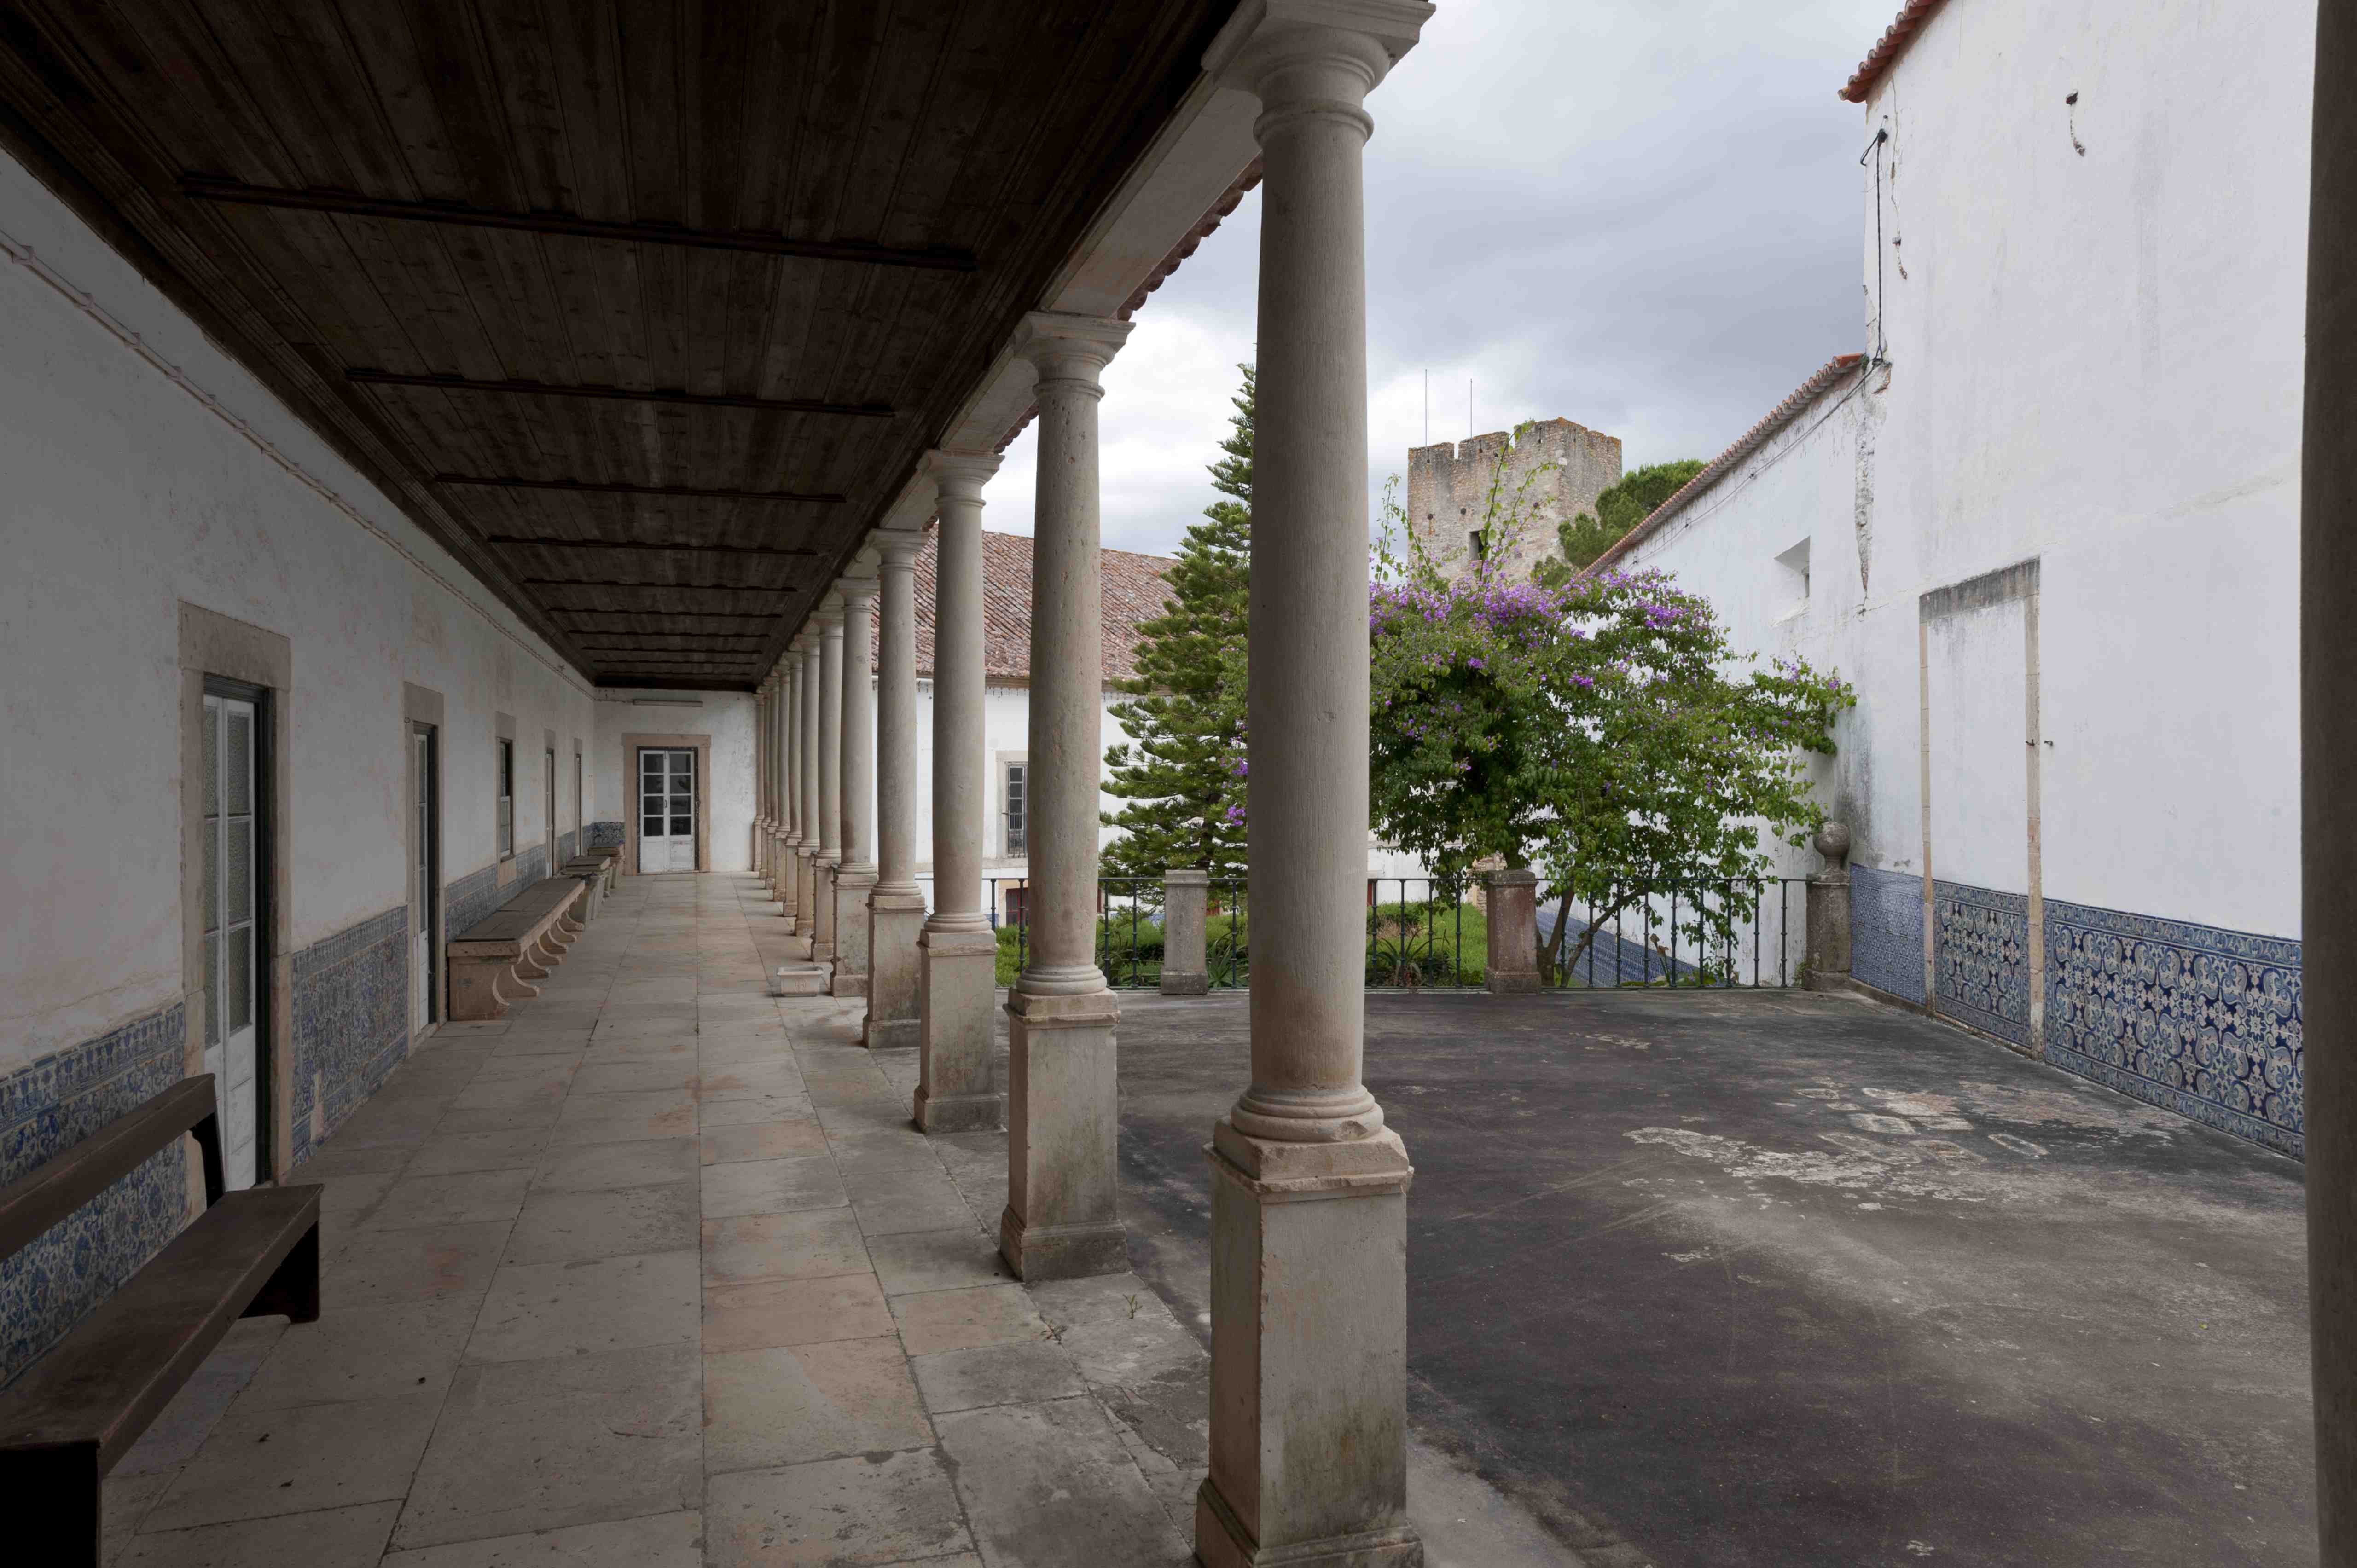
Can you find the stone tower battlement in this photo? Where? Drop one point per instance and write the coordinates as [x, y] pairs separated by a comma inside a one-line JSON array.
[[1567, 466]]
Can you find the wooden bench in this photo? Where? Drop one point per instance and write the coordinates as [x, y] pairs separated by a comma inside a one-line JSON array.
[[494, 961], [74, 1413]]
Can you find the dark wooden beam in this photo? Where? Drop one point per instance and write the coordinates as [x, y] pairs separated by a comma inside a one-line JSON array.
[[667, 615], [675, 635], [624, 394], [617, 583], [688, 492], [637, 544], [671, 683], [205, 188]]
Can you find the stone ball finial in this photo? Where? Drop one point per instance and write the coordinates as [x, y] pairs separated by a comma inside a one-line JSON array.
[[1832, 841]]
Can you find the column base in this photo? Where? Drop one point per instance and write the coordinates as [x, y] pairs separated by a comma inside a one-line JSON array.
[[889, 1034], [823, 890], [957, 1086], [851, 890], [1514, 983], [1222, 1542], [1040, 1252], [894, 922], [1186, 985], [1063, 1113], [1308, 1355]]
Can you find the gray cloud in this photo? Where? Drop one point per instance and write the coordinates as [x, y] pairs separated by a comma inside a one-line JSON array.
[[1641, 216]]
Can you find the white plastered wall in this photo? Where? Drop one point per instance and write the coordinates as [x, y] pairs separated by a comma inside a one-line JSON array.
[[127, 496], [727, 717], [2095, 360]]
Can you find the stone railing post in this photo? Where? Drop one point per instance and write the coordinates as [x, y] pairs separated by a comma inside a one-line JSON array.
[[1512, 965], [1186, 906], [1827, 963]]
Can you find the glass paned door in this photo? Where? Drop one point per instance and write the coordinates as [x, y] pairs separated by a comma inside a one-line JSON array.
[[667, 809], [232, 970]]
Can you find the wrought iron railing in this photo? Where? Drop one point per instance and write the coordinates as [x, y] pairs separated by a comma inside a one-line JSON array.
[[1428, 932]]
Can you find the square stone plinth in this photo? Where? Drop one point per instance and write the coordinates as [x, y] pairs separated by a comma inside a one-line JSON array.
[[1063, 1127], [957, 1088]]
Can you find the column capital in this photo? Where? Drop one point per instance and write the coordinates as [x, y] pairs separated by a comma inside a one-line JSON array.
[[829, 614], [960, 476], [859, 591], [898, 547], [1265, 35], [1069, 348]]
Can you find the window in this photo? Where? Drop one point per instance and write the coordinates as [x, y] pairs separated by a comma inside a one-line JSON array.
[[507, 798], [1016, 816], [1477, 544], [1796, 563], [548, 794]]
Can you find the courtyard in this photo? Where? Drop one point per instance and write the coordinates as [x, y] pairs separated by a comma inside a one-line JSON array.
[[655, 1271]]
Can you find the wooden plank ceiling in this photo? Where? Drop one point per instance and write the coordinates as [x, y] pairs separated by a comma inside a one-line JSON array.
[[645, 310]]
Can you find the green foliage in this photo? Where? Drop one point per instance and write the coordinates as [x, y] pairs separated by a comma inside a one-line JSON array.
[[1436, 943], [1617, 509], [1182, 770], [1599, 730]]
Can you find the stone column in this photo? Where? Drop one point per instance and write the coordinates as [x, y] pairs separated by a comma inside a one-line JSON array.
[[830, 774], [1826, 965], [1308, 1428], [1062, 1090], [812, 697], [789, 791], [2328, 696], [1511, 967], [856, 877], [896, 909], [957, 953], [762, 704], [1186, 907], [784, 772]]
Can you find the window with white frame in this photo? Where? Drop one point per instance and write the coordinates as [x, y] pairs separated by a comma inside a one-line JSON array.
[[1017, 813]]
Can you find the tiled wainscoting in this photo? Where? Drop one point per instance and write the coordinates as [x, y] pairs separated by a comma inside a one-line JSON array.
[[47, 1107], [1886, 930], [2201, 1021], [351, 1021], [478, 893], [605, 835]]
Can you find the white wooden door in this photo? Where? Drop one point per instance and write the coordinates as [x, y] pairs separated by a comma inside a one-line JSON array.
[[666, 809], [233, 973], [421, 878]]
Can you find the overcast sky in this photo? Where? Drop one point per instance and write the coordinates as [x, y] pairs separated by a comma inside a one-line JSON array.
[[1641, 215]]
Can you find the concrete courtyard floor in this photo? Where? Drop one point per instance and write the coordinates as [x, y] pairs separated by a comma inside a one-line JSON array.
[[1716, 1279], [654, 1273]]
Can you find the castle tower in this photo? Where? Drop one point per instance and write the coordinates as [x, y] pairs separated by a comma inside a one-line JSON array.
[[1567, 465]]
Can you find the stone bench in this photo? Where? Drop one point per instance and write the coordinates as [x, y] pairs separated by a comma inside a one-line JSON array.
[[494, 961], [75, 1413], [612, 854], [592, 873]]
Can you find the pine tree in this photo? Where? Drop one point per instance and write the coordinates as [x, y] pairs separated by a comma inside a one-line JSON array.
[[1182, 769]]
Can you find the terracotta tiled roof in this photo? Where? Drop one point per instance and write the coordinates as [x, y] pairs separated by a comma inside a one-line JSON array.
[[1132, 584], [1888, 47], [1782, 414]]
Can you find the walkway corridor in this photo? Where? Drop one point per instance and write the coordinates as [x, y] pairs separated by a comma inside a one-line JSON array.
[[654, 1273]]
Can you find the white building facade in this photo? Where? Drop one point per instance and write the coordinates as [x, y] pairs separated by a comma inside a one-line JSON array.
[[2046, 524]]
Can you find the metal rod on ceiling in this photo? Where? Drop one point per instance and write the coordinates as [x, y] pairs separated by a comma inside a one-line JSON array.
[[208, 188], [623, 395]]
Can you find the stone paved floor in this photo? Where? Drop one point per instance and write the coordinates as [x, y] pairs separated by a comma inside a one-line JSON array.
[[655, 1273]]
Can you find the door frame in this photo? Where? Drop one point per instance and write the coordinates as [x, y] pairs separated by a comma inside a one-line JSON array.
[[699, 744], [422, 708], [220, 646]]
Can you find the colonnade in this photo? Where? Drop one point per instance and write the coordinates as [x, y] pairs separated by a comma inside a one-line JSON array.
[[1308, 1284]]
